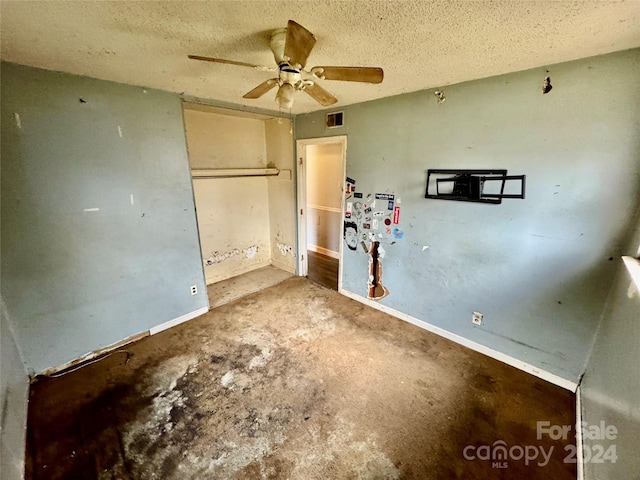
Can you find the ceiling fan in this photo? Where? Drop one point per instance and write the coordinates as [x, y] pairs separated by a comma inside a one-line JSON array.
[[291, 47]]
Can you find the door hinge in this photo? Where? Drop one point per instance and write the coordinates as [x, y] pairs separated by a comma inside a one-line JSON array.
[[301, 212]]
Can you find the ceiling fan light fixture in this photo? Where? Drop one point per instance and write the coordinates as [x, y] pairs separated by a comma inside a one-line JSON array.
[[285, 96]]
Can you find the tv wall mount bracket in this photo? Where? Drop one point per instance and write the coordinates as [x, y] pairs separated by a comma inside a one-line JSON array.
[[469, 185]]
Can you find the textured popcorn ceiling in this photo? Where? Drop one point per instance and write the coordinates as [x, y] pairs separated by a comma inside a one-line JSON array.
[[420, 44]]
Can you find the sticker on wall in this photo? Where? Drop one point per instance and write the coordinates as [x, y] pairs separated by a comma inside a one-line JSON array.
[[350, 235], [385, 196], [347, 213], [374, 225], [396, 215], [350, 186], [356, 210]]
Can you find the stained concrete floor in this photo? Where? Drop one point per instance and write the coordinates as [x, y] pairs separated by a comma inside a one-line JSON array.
[[231, 289], [294, 382]]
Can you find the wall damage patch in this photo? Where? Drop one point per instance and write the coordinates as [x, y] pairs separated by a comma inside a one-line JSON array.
[[285, 249], [377, 290], [218, 257]]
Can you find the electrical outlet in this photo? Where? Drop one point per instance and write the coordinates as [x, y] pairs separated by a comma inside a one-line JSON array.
[[194, 289], [476, 318]]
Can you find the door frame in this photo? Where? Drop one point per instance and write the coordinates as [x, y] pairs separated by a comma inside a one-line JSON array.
[[301, 198]]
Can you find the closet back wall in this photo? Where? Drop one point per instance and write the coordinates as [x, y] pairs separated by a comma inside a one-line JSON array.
[[233, 213]]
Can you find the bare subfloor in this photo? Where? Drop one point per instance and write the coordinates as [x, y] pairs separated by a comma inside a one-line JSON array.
[[234, 288], [297, 382]]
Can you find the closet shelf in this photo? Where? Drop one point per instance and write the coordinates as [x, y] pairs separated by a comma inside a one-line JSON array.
[[233, 172]]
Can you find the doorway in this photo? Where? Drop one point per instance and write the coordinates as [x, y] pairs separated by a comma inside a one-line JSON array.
[[321, 177]]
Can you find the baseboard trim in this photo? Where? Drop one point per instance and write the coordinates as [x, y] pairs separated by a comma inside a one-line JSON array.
[[105, 351], [579, 445], [211, 279], [282, 266], [177, 321], [514, 362], [76, 363], [324, 251]]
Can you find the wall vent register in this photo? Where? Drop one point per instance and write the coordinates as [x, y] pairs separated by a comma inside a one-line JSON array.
[[335, 119]]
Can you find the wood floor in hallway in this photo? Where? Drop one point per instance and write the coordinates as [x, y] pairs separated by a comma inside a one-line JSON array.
[[323, 269], [296, 382]]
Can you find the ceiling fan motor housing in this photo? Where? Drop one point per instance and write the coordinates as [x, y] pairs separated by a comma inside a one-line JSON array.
[[278, 40], [289, 75]]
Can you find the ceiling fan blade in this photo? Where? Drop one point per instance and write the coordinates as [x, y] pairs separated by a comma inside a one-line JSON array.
[[261, 89], [222, 60], [350, 74], [320, 95], [299, 43]]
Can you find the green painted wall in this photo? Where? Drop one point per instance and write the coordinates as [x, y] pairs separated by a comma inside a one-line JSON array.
[[14, 391], [99, 235], [539, 269]]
